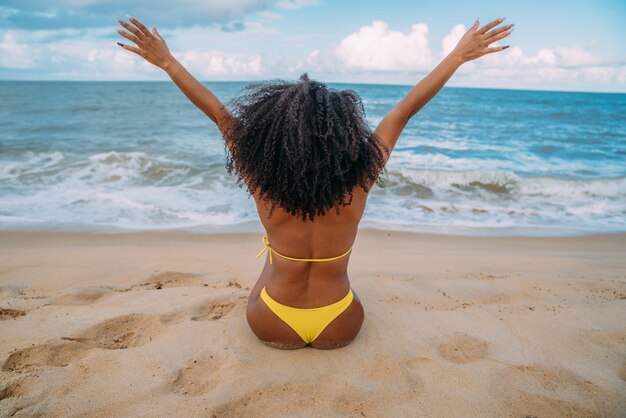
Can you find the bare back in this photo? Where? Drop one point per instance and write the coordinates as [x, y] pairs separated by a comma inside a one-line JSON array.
[[308, 284]]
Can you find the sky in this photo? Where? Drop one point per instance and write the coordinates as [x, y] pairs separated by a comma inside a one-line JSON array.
[[556, 45]]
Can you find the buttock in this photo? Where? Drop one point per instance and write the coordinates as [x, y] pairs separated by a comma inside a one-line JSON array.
[[319, 330]]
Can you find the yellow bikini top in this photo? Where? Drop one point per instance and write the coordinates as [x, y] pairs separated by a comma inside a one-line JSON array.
[[266, 242]]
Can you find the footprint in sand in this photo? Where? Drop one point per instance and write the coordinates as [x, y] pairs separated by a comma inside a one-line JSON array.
[[463, 349], [605, 339], [531, 405], [197, 376], [12, 290], [57, 353], [231, 283], [484, 276], [28, 394], [6, 313], [622, 372], [13, 396], [11, 390], [169, 279], [263, 398], [213, 310], [550, 378], [80, 296], [415, 362], [122, 332]]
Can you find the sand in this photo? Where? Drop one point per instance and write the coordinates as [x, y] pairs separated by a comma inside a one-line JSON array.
[[153, 324]]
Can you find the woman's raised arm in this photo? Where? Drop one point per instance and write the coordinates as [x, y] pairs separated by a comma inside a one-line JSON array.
[[473, 44], [152, 47]]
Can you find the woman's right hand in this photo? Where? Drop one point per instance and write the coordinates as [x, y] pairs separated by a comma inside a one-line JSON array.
[[475, 42]]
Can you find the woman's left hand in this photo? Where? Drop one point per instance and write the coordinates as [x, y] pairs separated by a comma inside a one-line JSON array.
[[150, 45]]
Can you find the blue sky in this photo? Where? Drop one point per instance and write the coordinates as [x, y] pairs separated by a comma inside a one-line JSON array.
[[556, 45]]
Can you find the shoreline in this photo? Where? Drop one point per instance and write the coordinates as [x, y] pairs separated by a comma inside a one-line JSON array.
[[257, 228], [601, 240], [119, 324]]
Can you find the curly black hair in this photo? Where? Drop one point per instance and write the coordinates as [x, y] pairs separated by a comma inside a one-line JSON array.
[[304, 145]]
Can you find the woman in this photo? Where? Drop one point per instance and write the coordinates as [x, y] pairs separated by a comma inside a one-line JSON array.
[[308, 158]]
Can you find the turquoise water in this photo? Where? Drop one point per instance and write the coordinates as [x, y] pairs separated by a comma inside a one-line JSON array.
[[138, 156]]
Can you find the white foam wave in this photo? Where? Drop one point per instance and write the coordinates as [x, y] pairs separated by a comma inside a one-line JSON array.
[[527, 164], [496, 198], [30, 162], [139, 191]]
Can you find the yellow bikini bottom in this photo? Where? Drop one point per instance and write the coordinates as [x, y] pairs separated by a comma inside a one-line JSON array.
[[308, 323]]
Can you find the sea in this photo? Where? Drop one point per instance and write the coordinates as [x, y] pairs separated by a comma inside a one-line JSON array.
[[138, 156]]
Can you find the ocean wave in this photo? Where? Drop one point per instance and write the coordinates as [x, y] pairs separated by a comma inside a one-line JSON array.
[[136, 190], [127, 168], [29, 162], [501, 182], [504, 159], [498, 198]]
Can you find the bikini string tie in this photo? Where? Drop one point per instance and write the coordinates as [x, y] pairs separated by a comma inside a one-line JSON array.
[[267, 247]]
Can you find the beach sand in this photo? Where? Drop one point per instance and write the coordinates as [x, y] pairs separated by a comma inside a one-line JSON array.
[[153, 324]]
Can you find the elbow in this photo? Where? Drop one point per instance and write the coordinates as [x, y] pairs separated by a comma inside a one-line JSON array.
[[405, 112], [412, 112]]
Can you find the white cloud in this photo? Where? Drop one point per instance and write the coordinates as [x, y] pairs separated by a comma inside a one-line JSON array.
[[553, 65], [563, 57], [269, 15], [373, 53], [312, 62], [575, 56], [544, 56], [557, 64], [313, 57], [621, 77], [14, 54], [92, 57], [601, 74], [559, 56], [451, 40], [296, 4], [544, 73], [378, 48], [212, 63]]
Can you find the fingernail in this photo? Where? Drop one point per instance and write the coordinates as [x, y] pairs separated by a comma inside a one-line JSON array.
[[505, 47], [129, 16], [120, 44]]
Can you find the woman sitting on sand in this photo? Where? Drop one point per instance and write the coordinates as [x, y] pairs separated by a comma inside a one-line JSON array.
[[309, 159]]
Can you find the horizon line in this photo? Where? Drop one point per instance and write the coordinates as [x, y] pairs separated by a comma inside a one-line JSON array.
[[325, 82]]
